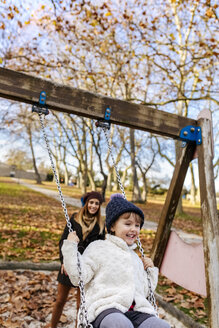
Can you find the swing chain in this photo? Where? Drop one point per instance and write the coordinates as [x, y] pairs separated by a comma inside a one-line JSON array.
[[151, 297], [114, 163], [83, 319], [55, 174], [82, 310]]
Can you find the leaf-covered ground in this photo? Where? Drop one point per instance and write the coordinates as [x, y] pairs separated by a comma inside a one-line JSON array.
[[27, 300], [27, 297], [31, 225]]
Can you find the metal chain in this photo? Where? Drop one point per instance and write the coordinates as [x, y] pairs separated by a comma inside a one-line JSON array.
[[114, 163], [83, 318], [151, 297], [55, 174]]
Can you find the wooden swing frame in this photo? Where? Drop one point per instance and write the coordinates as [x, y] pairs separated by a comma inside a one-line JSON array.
[[25, 88]]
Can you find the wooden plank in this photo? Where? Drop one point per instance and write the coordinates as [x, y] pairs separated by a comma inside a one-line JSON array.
[[25, 88], [171, 202], [210, 221], [27, 265]]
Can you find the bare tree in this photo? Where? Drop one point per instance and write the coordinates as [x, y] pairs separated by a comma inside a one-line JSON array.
[[22, 125], [168, 61]]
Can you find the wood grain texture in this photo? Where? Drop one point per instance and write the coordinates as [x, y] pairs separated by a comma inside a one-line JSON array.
[[25, 88], [210, 221]]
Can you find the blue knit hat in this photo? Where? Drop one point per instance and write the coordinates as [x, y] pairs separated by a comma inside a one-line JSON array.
[[118, 206]]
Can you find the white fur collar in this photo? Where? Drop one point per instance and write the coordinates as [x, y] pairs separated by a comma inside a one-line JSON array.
[[119, 242]]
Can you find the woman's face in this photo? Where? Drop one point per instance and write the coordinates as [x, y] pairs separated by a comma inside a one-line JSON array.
[[93, 206]]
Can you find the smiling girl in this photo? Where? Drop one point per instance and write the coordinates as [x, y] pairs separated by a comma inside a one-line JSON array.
[[115, 279]]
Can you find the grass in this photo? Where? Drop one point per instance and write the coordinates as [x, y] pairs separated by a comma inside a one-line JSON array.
[[31, 224]]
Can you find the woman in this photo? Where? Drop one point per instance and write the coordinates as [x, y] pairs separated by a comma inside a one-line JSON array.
[[89, 226]]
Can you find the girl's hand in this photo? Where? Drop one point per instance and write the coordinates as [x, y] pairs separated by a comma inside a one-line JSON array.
[[63, 270], [147, 262], [73, 237]]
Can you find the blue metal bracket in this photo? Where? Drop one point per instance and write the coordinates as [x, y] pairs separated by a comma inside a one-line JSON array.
[[191, 133], [107, 114], [106, 122], [42, 99], [41, 107]]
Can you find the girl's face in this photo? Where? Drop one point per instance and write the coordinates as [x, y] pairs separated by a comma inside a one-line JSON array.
[[93, 206], [127, 228]]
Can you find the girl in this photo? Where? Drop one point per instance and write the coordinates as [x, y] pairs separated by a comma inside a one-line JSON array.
[[114, 276], [89, 226]]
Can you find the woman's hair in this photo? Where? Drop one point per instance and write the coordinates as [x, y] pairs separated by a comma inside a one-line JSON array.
[[84, 212], [126, 216]]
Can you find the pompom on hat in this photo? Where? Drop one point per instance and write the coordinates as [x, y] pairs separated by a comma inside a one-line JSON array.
[[117, 206], [91, 195]]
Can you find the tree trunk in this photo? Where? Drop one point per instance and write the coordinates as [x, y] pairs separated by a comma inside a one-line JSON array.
[[91, 180], [84, 164], [78, 180], [104, 185], [38, 177], [109, 181], [144, 193], [136, 193], [179, 209], [124, 174], [66, 174], [115, 182], [193, 189], [90, 171], [83, 180]]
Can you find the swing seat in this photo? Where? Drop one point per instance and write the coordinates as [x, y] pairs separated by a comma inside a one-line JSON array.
[[183, 263]]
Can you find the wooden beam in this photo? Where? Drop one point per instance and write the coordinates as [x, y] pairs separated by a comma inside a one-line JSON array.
[[210, 221], [171, 202], [25, 88]]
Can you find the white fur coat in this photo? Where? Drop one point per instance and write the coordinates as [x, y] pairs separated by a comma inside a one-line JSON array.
[[113, 275]]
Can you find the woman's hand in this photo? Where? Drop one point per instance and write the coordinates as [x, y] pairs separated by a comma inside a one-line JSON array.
[[73, 237], [63, 270], [147, 262]]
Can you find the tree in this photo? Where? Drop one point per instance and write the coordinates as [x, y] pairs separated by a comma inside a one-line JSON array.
[[167, 59], [19, 158], [21, 124], [145, 166]]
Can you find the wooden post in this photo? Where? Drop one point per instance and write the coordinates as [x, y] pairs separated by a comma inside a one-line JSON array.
[[169, 208], [210, 221]]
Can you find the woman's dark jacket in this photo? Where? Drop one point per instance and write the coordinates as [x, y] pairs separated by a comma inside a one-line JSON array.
[[92, 236]]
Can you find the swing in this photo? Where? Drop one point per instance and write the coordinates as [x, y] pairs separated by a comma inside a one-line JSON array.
[[42, 109]]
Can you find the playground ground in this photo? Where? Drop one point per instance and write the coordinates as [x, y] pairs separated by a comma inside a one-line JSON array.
[[31, 227], [34, 292]]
